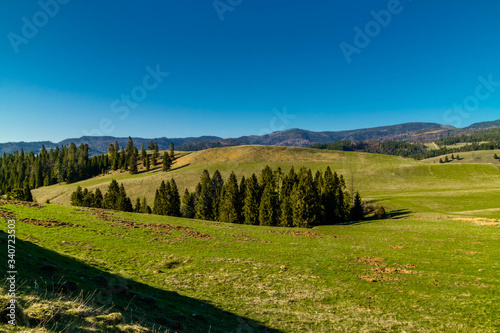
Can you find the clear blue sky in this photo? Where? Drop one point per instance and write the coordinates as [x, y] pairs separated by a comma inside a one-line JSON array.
[[227, 76]]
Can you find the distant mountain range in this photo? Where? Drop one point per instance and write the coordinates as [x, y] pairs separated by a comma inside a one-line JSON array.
[[291, 137]]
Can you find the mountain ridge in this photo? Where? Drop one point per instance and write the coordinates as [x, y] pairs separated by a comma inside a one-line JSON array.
[[290, 137]]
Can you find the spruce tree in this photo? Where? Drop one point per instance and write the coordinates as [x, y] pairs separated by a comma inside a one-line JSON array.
[[268, 209], [145, 209], [329, 198], [286, 212], [216, 183], [137, 207], [251, 204], [111, 196], [167, 162], [172, 151], [305, 200], [143, 152], [187, 205], [357, 209], [204, 198], [229, 210], [133, 163], [98, 198], [27, 193], [173, 200], [77, 197]]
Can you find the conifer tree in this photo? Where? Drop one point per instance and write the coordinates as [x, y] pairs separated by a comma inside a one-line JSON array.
[[329, 198], [111, 196], [98, 198], [137, 207], [216, 184], [27, 193], [286, 212], [133, 162], [305, 200], [145, 209], [143, 152], [357, 209], [187, 205], [230, 210], [251, 206], [172, 151], [77, 197], [204, 198], [173, 200], [167, 162], [268, 209]]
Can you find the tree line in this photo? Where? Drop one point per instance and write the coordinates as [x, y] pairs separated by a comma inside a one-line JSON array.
[[294, 199], [19, 171]]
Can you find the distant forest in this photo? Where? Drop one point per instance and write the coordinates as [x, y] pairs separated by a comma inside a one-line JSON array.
[[19, 172], [486, 140], [294, 199]]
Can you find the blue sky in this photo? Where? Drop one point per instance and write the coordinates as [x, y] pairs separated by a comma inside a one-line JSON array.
[[241, 67]]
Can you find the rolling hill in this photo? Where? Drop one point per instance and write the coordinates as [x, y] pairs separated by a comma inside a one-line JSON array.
[[397, 182]]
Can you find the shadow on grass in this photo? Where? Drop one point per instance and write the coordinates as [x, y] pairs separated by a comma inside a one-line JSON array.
[[139, 303]]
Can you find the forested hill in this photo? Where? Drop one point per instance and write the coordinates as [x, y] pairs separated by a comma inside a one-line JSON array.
[[291, 138]]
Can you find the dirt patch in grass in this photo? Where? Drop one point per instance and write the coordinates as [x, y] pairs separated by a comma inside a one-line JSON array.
[[396, 247], [8, 215], [479, 220], [392, 270], [50, 223], [370, 260], [21, 203], [296, 233], [246, 238]]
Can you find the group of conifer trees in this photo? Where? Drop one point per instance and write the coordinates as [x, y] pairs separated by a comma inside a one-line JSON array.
[[294, 199], [19, 171], [126, 159]]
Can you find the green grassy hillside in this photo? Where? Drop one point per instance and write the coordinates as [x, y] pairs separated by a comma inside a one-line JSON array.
[[395, 182], [420, 273]]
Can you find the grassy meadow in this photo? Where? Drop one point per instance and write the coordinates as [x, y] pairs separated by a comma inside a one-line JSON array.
[[433, 266]]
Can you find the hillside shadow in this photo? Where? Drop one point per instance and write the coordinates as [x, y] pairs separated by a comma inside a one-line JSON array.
[[180, 167], [40, 268], [399, 214]]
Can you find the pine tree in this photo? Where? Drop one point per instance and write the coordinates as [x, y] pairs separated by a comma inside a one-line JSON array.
[[230, 210], [172, 152], [329, 198], [137, 207], [187, 205], [27, 193], [305, 200], [151, 145], [446, 160], [495, 157], [143, 152], [286, 212], [98, 198], [204, 198], [111, 196], [251, 204], [133, 162], [357, 208], [145, 209], [147, 163], [217, 183], [173, 200], [77, 197], [167, 162], [268, 209]]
